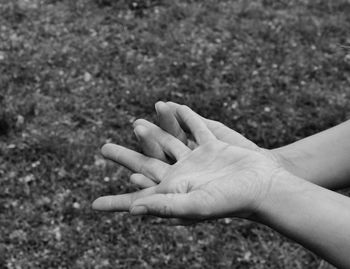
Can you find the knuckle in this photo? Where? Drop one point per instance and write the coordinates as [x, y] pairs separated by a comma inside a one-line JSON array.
[[219, 125], [133, 197], [110, 204], [143, 168], [184, 107]]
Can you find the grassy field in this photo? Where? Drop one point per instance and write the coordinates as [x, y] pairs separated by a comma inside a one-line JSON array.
[[75, 74]]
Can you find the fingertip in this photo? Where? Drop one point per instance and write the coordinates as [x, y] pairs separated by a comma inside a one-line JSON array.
[[134, 179], [158, 104], [106, 149], [138, 210], [170, 103], [138, 122], [97, 204], [182, 110], [161, 107], [140, 131]]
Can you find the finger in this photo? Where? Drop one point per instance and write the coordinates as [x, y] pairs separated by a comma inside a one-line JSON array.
[[191, 144], [195, 124], [214, 126], [135, 161], [170, 205], [142, 181], [175, 108], [121, 202], [221, 132], [169, 144], [168, 122], [228, 135], [150, 145]]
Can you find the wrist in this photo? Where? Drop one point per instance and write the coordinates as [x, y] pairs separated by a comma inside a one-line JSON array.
[[284, 192], [291, 159]]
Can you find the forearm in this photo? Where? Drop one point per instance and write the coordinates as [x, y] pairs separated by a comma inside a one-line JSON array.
[[317, 218], [323, 158]]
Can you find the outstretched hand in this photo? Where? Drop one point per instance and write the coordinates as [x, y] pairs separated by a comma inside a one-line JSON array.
[[214, 180]]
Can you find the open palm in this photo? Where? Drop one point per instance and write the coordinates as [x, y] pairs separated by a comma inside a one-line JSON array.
[[214, 180]]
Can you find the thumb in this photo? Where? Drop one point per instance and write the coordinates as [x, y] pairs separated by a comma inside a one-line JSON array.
[[171, 205]]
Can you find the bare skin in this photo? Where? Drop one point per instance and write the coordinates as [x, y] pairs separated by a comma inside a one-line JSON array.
[[322, 159], [217, 179], [208, 180]]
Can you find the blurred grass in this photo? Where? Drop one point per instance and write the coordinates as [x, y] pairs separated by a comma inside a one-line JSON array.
[[75, 74]]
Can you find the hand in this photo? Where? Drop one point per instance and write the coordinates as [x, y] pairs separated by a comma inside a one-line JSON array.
[[171, 122], [214, 180]]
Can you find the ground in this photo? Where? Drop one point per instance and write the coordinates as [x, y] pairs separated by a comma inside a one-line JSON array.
[[75, 74]]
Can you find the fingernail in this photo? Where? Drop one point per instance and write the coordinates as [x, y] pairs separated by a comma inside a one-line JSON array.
[[137, 135], [156, 106], [138, 210], [159, 104]]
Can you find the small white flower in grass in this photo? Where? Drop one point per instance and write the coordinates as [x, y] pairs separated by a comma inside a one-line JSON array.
[[234, 105], [105, 262], [227, 220], [76, 205], [267, 109], [62, 173], [57, 233], [27, 178], [2, 56], [132, 119], [347, 58], [35, 164], [247, 256], [87, 77], [19, 121], [100, 162]]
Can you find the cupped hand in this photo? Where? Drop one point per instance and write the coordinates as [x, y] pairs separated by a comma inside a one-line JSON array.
[[214, 180]]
